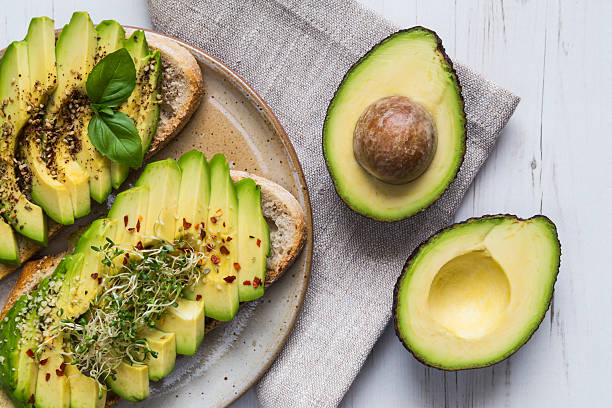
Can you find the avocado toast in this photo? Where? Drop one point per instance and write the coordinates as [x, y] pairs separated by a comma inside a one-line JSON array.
[[215, 240], [59, 183]]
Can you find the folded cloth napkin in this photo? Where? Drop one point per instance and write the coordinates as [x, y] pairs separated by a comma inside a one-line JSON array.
[[294, 54]]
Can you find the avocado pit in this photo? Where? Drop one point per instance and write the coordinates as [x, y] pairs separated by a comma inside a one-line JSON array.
[[395, 139]]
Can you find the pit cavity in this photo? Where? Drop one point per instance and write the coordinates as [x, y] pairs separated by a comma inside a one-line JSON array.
[[469, 295]]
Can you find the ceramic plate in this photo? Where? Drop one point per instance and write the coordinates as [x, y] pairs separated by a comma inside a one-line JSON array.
[[233, 120]]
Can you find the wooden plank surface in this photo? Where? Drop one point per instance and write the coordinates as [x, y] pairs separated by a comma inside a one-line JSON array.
[[554, 157]]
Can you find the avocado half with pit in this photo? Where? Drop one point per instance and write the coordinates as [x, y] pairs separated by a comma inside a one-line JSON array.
[[394, 134], [474, 293]]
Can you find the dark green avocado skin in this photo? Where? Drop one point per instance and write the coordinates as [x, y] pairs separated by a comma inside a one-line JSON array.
[[8, 331], [441, 49], [398, 333]]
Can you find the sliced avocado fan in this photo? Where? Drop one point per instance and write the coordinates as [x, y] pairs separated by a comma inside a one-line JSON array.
[[475, 292], [188, 206]]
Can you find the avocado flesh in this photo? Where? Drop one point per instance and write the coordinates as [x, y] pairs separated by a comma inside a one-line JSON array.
[[75, 51], [253, 241], [411, 63], [9, 250], [475, 292], [142, 106], [131, 382], [220, 296], [41, 56], [163, 179], [84, 391], [19, 371], [75, 55], [25, 217], [54, 392], [50, 193], [164, 344], [111, 36], [186, 321], [85, 269], [194, 195], [129, 210]]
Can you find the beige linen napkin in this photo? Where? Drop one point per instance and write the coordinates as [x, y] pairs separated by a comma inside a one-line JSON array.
[[294, 54]]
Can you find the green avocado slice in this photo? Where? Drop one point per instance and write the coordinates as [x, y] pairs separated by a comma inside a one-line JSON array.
[[131, 382], [163, 179], [475, 292], [84, 391], [164, 345], [128, 210], [410, 63], [186, 321], [194, 196], [253, 241], [26, 218], [219, 287]]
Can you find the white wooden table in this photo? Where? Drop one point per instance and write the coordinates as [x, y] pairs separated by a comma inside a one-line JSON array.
[[554, 157]]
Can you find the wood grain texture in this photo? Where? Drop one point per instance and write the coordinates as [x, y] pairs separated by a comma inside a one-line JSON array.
[[553, 157]]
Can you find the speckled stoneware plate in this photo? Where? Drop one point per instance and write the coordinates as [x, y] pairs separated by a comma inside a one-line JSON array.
[[233, 120]]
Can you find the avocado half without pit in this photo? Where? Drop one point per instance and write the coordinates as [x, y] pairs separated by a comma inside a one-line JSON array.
[[394, 134], [474, 293]]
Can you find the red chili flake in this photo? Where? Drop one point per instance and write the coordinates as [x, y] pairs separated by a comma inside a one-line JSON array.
[[197, 226], [43, 362], [247, 283], [202, 233], [229, 279], [125, 220], [31, 400], [224, 250], [258, 242], [203, 225], [99, 281], [47, 377], [94, 276], [229, 239], [224, 223], [215, 259], [186, 225], [209, 247], [139, 246], [138, 225], [213, 220], [59, 373], [63, 366], [199, 297], [30, 353], [131, 229], [256, 282], [125, 260], [237, 266]]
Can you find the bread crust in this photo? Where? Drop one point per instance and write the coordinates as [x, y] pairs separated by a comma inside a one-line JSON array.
[[174, 115]]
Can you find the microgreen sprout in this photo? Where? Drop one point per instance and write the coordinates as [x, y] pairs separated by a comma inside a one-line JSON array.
[[138, 287]]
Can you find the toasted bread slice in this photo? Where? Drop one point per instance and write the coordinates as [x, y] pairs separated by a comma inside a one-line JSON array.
[[182, 91], [287, 238]]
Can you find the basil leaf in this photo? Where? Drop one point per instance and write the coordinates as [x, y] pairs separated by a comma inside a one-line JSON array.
[[117, 138], [101, 108], [112, 80]]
